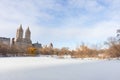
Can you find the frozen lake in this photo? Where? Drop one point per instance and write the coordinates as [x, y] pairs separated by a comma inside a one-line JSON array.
[[47, 68]]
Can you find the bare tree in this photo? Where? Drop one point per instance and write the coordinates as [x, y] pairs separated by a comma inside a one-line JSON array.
[[114, 47]]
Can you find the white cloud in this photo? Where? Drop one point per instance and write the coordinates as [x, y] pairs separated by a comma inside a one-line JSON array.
[[99, 22], [88, 5]]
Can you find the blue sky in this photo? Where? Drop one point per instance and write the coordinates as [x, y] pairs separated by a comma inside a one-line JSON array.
[[65, 23]]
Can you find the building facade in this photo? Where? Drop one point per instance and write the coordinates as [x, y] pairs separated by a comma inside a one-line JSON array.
[[37, 45], [20, 40], [5, 41]]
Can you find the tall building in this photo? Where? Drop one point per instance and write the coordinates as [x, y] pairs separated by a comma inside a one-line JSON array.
[[20, 40], [5, 41], [19, 35]]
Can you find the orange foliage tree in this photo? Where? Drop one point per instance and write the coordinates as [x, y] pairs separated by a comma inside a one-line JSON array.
[[31, 51]]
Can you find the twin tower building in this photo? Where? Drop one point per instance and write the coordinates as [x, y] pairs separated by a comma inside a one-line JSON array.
[[22, 40]]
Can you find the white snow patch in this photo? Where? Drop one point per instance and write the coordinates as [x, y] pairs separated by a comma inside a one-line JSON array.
[[48, 68]]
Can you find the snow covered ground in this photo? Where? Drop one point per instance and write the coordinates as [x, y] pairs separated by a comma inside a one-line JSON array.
[[47, 68]]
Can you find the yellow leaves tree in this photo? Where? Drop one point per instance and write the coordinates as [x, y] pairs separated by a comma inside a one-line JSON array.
[[32, 51]]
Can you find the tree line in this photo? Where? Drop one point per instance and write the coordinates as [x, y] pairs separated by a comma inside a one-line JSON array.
[[83, 51]]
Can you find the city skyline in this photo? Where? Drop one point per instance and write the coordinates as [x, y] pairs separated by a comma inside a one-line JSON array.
[[65, 23]]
